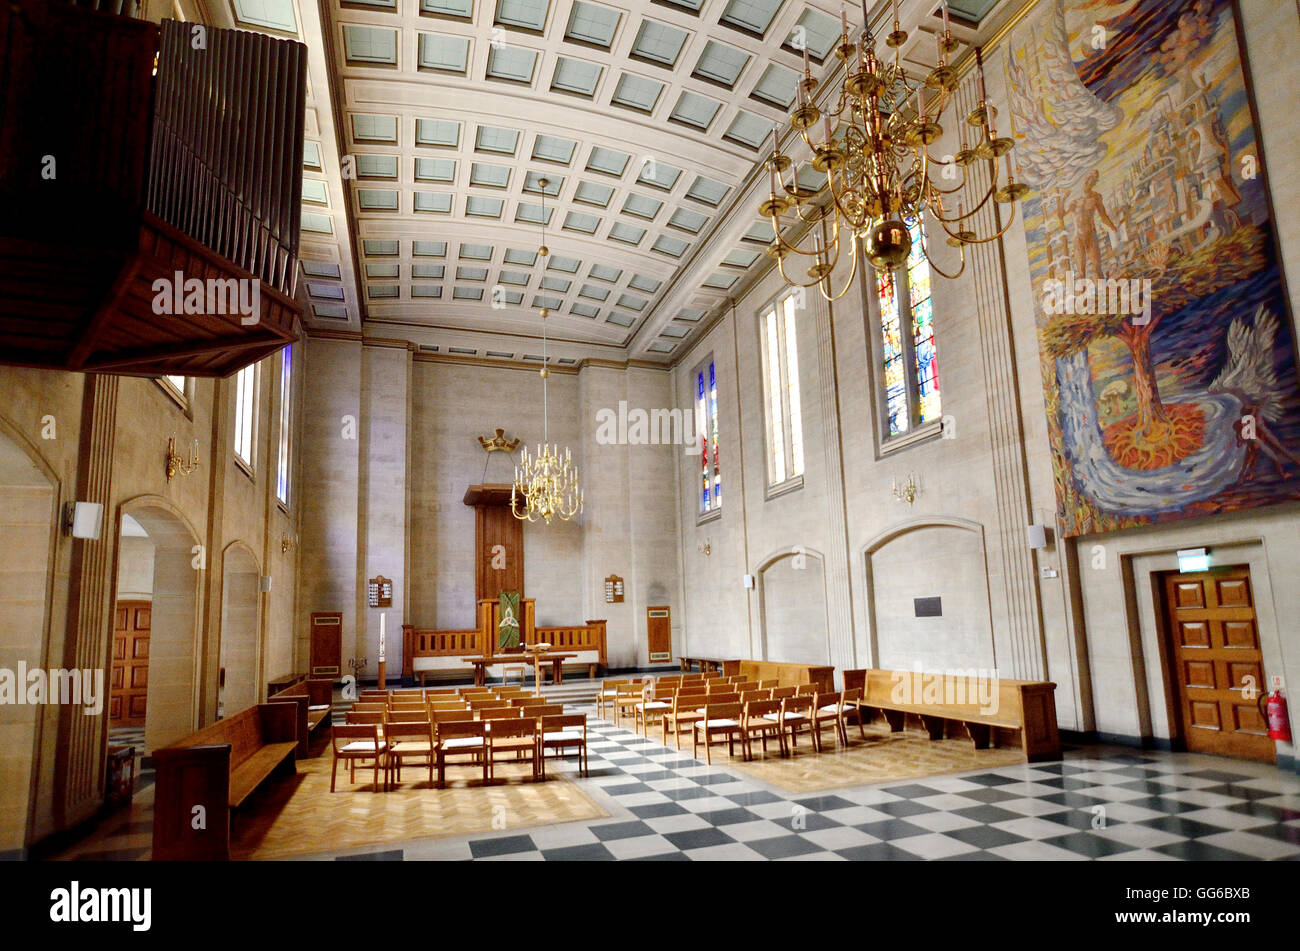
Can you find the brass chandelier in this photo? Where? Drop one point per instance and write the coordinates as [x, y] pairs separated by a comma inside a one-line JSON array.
[[878, 165], [546, 483]]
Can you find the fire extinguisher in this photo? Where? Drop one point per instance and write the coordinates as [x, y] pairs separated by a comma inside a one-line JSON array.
[[1273, 707]]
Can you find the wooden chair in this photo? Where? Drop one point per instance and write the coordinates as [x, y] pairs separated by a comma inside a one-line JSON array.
[[853, 702], [719, 719], [516, 736], [439, 693], [500, 713], [354, 742], [483, 703], [437, 705], [369, 696], [806, 690], [780, 693], [544, 710], [828, 708], [366, 717], [407, 707], [560, 732], [659, 700], [755, 719], [460, 738], [369, 707], [409, 740], [684, 712], [795, 714], [420, 715], [769, 684], [605, 696], [628, 696], [720, 686]]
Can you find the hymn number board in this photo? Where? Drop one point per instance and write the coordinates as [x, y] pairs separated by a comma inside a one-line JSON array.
[[613, 590], [380, 592]]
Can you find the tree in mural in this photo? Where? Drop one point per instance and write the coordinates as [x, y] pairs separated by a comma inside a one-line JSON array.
[[1156, 434]]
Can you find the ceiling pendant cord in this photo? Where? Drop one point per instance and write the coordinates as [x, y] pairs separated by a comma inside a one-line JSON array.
[[544, 251]]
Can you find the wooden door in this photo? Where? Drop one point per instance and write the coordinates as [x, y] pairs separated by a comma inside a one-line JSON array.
[[326, 644], [1217, 666], [659, 633], [129, 685]]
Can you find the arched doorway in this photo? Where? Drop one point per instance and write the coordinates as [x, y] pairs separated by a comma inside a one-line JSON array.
[[792, 599], [174, 650], [240, 624], [28, 496]]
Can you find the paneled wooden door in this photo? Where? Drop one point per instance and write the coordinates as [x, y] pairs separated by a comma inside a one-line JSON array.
[[659, 633], [129, 687], [326, 644], [1217, 667]]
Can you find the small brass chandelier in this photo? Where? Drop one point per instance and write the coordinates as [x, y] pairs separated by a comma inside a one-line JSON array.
[[546, 483], [878, 165]]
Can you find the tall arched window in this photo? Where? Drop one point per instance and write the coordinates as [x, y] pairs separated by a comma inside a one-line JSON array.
[[908, 358], [706, 423]]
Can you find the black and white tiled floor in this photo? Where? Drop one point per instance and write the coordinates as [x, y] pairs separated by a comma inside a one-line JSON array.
[[1105, 803]]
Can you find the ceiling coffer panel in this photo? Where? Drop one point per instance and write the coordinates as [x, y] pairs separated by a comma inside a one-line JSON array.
[[171, 246]]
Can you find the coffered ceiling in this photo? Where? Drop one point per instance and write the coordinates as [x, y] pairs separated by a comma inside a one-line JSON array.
[[432, 123]]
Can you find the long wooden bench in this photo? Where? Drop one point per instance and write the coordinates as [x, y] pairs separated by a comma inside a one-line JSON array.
[[314, 699], [991, 710], [202, 777], [786, 675]]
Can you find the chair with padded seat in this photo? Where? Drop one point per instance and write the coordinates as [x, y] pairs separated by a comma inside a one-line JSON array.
[[353, 743]]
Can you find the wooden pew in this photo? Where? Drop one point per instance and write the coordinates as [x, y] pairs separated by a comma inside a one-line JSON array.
[[313, 697], [1019, 710], [786, 675], [217, 769]]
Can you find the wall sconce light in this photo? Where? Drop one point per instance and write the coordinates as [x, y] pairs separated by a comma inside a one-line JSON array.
[[704, 547], [907, 492], [83, 519], [178, 466], [287, 544]]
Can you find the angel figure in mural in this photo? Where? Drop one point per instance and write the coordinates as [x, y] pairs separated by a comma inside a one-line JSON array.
[[1249, 375]]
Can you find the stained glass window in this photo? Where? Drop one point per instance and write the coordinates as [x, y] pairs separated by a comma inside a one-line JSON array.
[[927, 361], [706, 417], [781, 383], [908, 356]]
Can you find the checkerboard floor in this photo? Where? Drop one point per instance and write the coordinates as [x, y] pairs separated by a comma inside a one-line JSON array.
[[1104, 803]]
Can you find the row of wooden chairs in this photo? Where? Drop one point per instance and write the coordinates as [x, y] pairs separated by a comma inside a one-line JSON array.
[[785, 717], [512, 731]]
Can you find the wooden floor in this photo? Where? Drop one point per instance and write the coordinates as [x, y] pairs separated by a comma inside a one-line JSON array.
[[883, 757], [302, 816]]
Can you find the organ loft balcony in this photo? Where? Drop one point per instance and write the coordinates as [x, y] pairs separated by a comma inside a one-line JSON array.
[[150, 192]]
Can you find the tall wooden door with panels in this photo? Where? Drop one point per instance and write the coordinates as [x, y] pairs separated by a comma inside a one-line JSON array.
[[129, 687], [1216, 667]]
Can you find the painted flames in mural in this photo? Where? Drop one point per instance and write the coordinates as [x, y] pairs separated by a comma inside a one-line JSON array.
[[1144, 164]]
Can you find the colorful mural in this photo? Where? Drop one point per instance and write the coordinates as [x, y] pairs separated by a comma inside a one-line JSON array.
[[1168, 356]]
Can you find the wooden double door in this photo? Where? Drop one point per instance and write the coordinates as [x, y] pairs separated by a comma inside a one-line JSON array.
[[1216, 666]]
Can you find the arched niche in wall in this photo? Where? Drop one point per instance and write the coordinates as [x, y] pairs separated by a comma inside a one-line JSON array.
[[792, 607], [29, 493], [927, 590], [174, 642], [241, 612]]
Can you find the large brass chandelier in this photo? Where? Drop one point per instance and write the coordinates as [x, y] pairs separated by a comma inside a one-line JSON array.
[[874, 151], [546, 483]]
